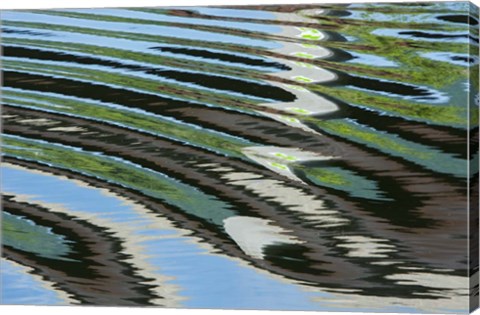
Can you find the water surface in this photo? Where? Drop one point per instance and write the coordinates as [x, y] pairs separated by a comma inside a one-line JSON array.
[[309, 157]]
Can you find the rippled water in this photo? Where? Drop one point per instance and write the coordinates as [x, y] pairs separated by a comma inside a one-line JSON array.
[[308, 157]]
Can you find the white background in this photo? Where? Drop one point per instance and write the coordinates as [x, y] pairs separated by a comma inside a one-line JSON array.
[[30, 4]]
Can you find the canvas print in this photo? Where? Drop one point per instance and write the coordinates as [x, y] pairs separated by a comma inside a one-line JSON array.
[[318, 157]]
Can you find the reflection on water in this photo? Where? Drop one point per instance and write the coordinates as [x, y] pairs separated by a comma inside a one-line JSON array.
[[309, 157]]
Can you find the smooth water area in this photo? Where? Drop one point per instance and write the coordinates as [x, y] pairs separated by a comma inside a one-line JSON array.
[[22, 288]]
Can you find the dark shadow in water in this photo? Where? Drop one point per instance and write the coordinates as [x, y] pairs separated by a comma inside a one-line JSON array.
[[86, 90], [338, 55], [248, 88], [25, 32], [334, 37], [204, 53], [391, 88], [338, 13], [459, 18], [466, 60], [380, 85], [419, 34], [293, 257]]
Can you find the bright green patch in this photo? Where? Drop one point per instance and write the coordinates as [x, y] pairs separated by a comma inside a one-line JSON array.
[[304, 55], [300, 111], [284, 156], [279, 166], [302, 79], [344, 180]]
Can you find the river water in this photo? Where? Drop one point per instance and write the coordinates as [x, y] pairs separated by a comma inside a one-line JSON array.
[[303, 157]]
